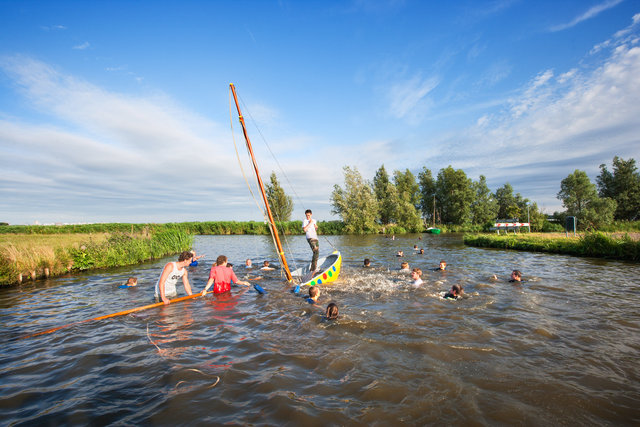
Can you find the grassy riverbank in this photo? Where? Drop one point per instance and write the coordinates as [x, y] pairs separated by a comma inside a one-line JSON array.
[[204, 228], [31, 256], [600, 245]]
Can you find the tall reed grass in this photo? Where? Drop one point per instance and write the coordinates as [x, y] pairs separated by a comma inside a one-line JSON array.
[[29, 256]]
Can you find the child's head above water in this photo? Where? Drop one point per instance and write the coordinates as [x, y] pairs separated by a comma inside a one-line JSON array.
[[442, 265], [314, 292], [332, 311], [132, 281], [416, 273], [516, 275]]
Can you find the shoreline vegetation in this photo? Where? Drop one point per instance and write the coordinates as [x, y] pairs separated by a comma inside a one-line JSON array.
[[620, 246], [30, 252], [31, 256]]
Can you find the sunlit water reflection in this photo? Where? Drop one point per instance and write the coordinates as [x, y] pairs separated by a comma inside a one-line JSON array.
[[562, 348]]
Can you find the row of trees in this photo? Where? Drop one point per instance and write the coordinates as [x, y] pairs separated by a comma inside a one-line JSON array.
[[402, 202], [408, 204], [616, 196]]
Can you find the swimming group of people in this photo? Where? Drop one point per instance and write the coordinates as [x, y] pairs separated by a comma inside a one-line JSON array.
[[456, 290]]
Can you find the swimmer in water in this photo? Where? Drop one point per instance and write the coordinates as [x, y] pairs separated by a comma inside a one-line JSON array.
[[367, 262], [404, 267], [516, 276], [266, 267], [442, 266], [416, 275], [400, 253], [455, 292], [314, 294], [194, 263], [332, 311], [131, 282]]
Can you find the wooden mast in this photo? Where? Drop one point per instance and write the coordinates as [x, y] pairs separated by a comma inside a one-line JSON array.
[[264, 196]]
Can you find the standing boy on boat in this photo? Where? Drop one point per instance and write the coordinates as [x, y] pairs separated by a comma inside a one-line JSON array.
[[310, 228], [172, 272]]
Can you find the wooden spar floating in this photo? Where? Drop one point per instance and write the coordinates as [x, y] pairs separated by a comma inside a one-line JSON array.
[[120, 313], [276, 237]]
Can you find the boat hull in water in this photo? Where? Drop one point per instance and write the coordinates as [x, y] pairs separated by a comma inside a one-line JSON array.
[[329, 270]]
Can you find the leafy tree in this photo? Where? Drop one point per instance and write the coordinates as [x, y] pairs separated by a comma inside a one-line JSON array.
[[383, 190], [455, 196], [598, 213], [356, 204], [576, 191], [408, 188], [580, 198], [485, 206], [507, 202], [427, 194], [281, 204], [406, 213], [623, 186]]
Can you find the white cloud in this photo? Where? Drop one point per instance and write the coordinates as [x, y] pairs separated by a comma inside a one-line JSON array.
[[590, 13], [104, 149], [576, 121], [624, 36], [534, 95], [82, 46], [54, 28], [408, 99]]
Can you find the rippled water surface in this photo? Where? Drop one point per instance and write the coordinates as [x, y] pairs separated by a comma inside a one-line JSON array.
[[560, 349]]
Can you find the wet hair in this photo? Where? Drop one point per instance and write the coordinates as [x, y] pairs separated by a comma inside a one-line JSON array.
[[417, 270], [367, 261], [185, 256], [314, 291], [443, 262], [457, 289], [132, 280], [265, 263], [308, 211], [404, 264], [332, 311], [229, 265], [221, 259], [517, 273]]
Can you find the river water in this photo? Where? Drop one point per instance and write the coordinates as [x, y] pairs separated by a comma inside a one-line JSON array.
[[560, 349]]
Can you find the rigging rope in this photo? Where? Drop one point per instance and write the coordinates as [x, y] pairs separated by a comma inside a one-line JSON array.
[[264, 141], [263, 210]]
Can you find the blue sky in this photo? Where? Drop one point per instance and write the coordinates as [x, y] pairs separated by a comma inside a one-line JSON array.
[[118, 111]]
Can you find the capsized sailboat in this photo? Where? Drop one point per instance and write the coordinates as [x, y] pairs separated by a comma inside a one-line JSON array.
[[329, 267], [328, 271]]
